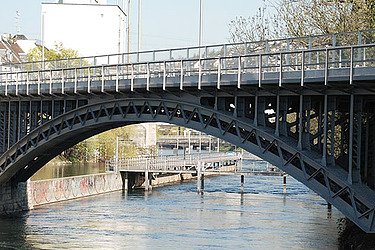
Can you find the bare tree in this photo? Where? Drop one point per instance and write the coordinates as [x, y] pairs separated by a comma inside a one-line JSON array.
[[296, 18]]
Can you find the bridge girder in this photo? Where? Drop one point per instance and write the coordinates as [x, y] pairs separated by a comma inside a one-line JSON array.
[[354, 199]]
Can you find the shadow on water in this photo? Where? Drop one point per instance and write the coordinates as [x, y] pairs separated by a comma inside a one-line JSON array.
[[352, 237], [13, 231]]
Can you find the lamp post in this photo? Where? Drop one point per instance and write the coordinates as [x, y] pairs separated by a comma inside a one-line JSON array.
[[139, 27], [42, 37], [200, 26], [128, 30]]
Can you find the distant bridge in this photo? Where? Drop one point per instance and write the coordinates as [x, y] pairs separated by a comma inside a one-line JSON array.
[[306, 105]]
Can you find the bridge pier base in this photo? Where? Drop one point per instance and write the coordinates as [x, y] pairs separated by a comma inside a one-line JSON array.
[[148, 181], [14, 197], [125, 181]]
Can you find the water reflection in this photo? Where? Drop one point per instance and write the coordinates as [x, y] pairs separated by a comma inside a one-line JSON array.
[[51, 171], [260, 217]]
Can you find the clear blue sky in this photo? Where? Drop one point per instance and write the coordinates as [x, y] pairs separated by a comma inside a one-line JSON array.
[[165, 23]]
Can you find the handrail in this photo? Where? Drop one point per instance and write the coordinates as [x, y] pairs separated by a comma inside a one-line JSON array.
[[263, 54], [186, 50]]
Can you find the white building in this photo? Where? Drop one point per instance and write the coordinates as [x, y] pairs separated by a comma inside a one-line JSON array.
[[92, 27]]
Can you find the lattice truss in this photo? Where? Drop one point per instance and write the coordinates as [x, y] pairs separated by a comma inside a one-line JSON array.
[[292, 156]]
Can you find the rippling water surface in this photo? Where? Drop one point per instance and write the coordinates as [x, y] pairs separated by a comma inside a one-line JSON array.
[[177, 217]]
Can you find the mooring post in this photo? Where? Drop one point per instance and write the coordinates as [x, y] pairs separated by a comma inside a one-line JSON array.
[[284, 183], [200, 178], [147, 182], [242, 182]]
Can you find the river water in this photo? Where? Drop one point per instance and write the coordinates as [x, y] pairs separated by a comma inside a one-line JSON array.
[[176, 216]]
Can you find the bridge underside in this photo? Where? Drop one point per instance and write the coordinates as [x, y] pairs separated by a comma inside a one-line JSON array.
[[321, 135]]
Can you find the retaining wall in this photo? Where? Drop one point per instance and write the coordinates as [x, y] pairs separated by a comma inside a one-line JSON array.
[[62, 189]]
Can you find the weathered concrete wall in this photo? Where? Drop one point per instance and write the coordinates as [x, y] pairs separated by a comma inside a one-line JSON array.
[[171, 179], [14, 197], [54, 190]]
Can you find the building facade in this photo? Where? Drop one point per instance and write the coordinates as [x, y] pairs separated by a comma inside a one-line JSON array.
[[92, 27]]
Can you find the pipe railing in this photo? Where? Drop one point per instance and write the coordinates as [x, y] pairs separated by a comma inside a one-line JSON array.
[[216, 50], [168, 163], [277, 64]]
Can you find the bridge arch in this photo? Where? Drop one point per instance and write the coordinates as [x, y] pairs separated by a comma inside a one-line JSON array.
[[29, 154]]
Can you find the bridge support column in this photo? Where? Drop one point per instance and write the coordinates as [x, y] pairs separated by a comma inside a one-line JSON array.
[[148, 181], [331, 116], [14, 197], [355, 136], [282, 128], [304, 123], [125, 180]]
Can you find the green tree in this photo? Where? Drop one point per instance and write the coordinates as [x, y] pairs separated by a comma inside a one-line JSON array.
[[58, 56], [57, 53]]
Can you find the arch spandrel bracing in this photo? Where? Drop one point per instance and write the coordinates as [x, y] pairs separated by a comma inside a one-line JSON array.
[[309, 111]]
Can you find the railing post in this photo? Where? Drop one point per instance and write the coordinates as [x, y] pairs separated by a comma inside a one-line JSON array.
[[50, 82], [281, 69], [27, 83], [132, 78], [62, 81], [239, 73], [303, 68], [39, 80], [260, 73], [88, 80], [182, 75], [148, 77], [164, 75], [199, 74], [326, 67], [6, 84], [219, 73], [102, 69], [117, 78], [75, 81], [351, 65]]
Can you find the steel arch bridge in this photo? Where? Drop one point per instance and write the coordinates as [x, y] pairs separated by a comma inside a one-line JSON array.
[[306, 108]]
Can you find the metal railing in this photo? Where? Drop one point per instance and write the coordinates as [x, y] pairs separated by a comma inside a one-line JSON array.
[[323, 61], [186, 163], [207, 51]]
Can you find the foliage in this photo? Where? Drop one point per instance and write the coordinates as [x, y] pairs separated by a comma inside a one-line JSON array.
[[58, 53]]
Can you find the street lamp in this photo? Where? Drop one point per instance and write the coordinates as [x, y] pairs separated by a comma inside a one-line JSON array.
[[128, 30], [139, 27], [200, 26], [42, 37]]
